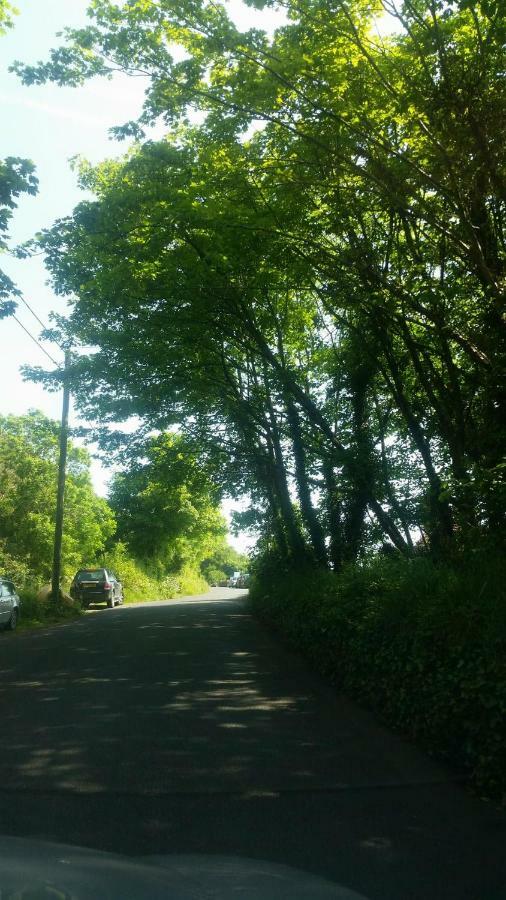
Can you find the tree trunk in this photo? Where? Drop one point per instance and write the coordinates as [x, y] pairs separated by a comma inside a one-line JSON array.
[[294, 537], [441, 520], [309, 516]]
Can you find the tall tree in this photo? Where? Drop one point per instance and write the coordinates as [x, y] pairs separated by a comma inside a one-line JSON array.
[[166, 506], [343, 190]]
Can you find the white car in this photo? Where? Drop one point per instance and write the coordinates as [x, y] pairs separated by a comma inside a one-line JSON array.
[[9, 604]]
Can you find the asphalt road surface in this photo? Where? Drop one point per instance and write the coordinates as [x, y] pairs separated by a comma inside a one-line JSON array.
[[185, 727]]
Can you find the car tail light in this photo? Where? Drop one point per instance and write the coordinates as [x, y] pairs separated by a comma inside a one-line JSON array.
[[107, 586]]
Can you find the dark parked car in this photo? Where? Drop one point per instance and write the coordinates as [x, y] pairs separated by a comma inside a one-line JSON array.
[[9, 604], [96, 586], [242, 581]]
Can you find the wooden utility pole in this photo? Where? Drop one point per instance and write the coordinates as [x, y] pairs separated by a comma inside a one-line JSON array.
[[62, 466]]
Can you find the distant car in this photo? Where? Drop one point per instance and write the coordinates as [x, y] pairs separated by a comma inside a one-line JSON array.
[[96, 586], [9, 604], [238, 581]]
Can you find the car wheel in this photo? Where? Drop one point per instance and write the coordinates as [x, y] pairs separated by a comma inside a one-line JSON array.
[[13, 621]]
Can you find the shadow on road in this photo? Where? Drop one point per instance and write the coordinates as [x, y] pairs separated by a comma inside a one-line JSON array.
[[160, 699], [184, 727]]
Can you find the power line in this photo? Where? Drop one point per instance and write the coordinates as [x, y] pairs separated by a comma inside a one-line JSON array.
[[33, 312], [39, 320], [34, 339]]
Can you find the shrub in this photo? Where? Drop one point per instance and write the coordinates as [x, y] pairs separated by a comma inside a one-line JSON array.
[[137, 583], [140, 584], [38, 613], [192, 582], [15, 568], [420, 642]]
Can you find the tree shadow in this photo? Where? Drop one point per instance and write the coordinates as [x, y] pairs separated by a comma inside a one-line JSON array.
[[187, 727]]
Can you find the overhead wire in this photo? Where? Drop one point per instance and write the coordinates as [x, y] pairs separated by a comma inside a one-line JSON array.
[[44, 326], [36, 341], [39, 320], [34, 314]]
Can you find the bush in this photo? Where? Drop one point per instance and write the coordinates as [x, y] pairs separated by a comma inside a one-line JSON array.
[[15, 568], [140, 584], [420, 642], [214, 575], [191, 582], [137, 583], [36, 613]]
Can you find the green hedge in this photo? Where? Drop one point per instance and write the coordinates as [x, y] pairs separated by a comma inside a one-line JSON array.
[[423, 644]]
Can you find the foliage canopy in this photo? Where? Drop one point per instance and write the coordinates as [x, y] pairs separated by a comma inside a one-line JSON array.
[[28, 475], [309, 275]]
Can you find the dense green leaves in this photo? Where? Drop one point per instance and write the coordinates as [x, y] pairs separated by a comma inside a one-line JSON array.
[[166, 508], [311, 281], [161, 529], [28, 475]]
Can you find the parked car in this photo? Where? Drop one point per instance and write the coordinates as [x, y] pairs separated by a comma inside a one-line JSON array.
[[96, 586], [9, 604], [238, 580]]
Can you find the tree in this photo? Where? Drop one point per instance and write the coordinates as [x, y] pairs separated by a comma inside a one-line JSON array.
[[223, 563], [315, 296], [167, 508], [28, 474]]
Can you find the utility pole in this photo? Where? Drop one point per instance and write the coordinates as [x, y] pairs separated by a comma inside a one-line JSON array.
[[62, 465]]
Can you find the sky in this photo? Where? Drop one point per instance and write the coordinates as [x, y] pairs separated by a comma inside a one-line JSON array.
[[50, 125]]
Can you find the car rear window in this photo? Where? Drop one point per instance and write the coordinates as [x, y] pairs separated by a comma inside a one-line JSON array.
[[91, 575]]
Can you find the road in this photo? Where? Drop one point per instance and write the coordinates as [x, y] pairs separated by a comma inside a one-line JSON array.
[[186, 727]]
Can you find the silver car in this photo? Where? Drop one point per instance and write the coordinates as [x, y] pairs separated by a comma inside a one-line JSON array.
[[9, 604]]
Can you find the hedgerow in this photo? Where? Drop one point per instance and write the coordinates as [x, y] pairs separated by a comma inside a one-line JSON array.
[[421, 643]]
